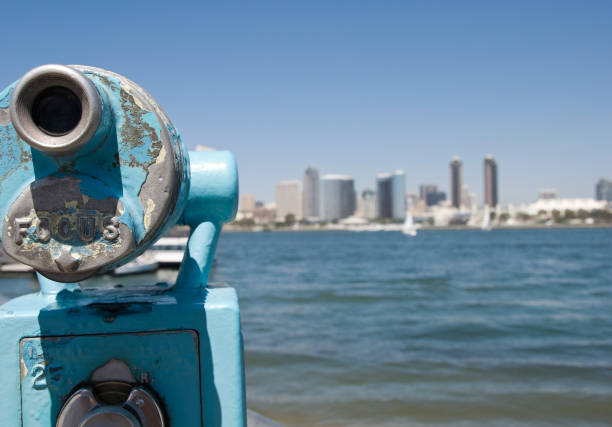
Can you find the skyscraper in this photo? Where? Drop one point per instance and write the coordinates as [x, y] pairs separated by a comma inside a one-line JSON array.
[[490, 179], [430, 194], [311, 193], [425, 189], [289, 199], [398, 195], [368, 204], [338, 197], [246, 204], [455, 184], [384, 195], [603, 190]]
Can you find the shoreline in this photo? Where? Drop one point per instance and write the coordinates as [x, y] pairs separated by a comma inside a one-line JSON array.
[[231, 229]]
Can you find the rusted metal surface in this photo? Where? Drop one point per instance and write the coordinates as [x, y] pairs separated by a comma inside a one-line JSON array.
[[93, 197], [73, 235]]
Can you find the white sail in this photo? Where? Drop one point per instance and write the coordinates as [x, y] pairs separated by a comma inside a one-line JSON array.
[[409, 228], [486, 219]]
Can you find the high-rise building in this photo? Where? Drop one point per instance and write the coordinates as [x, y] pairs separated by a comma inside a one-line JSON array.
[[367, 204], [431, 195], [603, 190], [490, 179], [398, 195], [338, 197], [246, 206], [455, 182], [434, 199], [425, 189], [311, 194], [384, 195], [246, 203], [289, 199]]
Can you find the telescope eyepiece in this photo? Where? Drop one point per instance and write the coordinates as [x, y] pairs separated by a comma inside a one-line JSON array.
[[55, 109]]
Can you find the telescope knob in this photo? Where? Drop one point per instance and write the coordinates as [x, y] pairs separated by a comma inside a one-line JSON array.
[[111, 400], [84, 409]]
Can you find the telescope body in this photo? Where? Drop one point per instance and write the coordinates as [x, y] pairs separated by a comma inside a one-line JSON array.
[[92, 173]]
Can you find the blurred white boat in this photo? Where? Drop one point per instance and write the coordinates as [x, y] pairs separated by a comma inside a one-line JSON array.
[[169, 251], [8, 265], [486, 219], [15, 268], [409, 228], [166, 252]]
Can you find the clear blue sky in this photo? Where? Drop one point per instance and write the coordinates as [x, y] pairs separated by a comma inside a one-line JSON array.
[[357, 87]]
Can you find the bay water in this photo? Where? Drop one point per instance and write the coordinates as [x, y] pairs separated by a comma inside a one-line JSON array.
[[453, 328], [449, 328]]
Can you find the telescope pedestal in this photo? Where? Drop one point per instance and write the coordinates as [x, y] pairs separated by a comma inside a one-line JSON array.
[[185, 345]]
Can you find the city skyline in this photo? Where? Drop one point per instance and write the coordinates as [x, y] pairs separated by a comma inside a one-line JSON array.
[[341, 203], [489, 184]]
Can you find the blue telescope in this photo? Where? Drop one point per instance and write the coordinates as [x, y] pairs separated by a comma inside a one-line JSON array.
[[92, 173]]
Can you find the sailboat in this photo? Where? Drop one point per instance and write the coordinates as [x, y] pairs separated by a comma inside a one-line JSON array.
[[486, 219], [409, 228]]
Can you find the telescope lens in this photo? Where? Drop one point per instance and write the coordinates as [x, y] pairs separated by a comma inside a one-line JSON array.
[[56, 111]]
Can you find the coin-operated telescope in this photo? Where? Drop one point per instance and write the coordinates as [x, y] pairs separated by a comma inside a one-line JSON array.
[[92, 172]]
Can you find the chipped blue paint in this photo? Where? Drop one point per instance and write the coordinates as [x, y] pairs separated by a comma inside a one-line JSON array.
[[213, 200], [126, 187], [115, 162], [183, 341], [90, 316], [90, 332], [175, 360], [5, 96]]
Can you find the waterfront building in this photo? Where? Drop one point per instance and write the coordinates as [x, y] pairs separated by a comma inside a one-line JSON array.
[[490, 179], [425, 189], [265, 214], [246, 203], [434, 199], [384, 195], [431, 195], [398, 195], [311, 194], [455, 182], [550, 205], [338, 197], [289, 200], [367, 204], [246, 206], [603, 190]]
